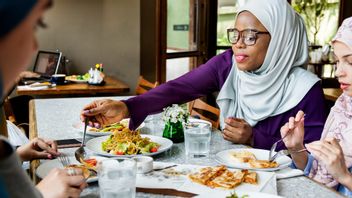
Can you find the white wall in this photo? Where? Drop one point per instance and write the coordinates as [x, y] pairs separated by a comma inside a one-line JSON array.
[[96, 31]]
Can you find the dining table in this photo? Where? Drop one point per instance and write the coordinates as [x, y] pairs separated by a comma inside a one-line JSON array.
[[54, 119], [110, 86]]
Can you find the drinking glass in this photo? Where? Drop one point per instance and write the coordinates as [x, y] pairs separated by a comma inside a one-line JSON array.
[[197, 141], [117, 178]]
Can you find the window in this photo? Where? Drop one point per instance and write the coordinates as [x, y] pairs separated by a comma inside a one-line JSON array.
[[320, 17], [226, 19]]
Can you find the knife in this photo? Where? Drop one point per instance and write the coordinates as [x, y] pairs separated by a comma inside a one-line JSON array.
[[165, 191]]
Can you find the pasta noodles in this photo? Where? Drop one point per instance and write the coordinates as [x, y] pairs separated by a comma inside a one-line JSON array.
[[128, 142]]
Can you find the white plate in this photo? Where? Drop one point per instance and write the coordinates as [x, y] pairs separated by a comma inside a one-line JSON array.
[[47, 166], [74, 79], [239, 194], [80, 127], [95, 145], [225, 157], [177, 178]]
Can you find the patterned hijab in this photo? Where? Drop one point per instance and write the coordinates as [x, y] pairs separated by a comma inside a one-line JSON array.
[[281, 82], [339, 123]]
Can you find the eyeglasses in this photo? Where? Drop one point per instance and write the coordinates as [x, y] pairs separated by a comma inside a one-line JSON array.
[[249, 36]]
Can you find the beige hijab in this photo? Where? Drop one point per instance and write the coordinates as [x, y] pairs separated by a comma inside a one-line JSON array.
[[339, 123]]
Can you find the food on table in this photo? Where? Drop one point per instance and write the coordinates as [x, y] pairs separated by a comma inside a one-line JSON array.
[[250, 177], [84, 77], [87, 173], [243, 156], [90, 163], [248, 157], [88, 167], [120, 126], [234, 195], [128, 142], [221, 177], [263, 164]]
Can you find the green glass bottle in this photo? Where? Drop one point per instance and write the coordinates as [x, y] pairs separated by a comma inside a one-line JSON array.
[[174, 131]]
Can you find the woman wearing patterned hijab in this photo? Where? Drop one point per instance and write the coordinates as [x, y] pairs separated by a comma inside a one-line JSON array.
[[18, 21], [261, 81], [330, 161]]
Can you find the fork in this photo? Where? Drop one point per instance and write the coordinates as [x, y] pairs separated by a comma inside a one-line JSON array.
[[285, 152], [273, 147], [63, 158]]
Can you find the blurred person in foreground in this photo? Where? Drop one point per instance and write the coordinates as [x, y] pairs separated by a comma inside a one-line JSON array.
[[18, 22], [329, 160]]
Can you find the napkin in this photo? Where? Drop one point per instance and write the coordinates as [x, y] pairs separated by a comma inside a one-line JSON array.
[[35, 86], [288, 173]]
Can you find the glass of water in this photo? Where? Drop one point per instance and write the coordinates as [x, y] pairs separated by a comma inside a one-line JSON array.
[[197, 141], [117, 178]]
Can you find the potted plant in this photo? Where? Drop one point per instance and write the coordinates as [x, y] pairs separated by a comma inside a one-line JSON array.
[[174, 116]]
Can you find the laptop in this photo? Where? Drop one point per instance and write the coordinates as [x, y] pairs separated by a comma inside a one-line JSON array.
[[47, 63]]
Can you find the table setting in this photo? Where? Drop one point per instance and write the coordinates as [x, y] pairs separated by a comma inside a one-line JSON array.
[[185, 159]]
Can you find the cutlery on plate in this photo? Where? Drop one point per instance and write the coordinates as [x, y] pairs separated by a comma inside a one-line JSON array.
[[166, 167], [285, 152], [80, 153]]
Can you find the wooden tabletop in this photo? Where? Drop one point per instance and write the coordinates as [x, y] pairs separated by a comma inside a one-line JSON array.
[[332, 93], [112, 86]]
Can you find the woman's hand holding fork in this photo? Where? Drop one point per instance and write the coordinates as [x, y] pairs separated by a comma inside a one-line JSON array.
[[294, 132]]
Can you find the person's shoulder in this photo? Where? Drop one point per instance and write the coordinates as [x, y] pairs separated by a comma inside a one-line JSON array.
[[315, 91], [224, 58]]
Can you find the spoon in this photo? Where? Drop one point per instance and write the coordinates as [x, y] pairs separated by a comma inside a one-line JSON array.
[[80, 153]]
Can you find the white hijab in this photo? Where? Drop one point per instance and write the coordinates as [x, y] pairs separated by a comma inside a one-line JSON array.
[[281, 82]]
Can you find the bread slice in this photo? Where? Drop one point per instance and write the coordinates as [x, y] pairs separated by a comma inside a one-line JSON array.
[[263, 164], [227, 180], [243, 156], [250, 177], [207, 174]]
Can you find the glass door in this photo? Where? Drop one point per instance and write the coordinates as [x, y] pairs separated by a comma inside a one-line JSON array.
[[183, 35]]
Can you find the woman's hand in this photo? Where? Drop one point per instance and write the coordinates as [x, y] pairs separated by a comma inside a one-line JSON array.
[[237, 131], [58, 183], [103, 112], [329, 153], [38, 149], [293, 131]]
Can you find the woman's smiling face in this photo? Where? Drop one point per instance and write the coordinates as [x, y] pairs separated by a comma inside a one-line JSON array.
[[250, 57]]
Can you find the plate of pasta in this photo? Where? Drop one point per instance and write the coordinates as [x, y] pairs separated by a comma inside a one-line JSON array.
[[107, 129], [128, 144]]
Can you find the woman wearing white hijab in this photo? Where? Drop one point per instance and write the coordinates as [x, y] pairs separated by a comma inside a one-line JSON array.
[[261, 80]]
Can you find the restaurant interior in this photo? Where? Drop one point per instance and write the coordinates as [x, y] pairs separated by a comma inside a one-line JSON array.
[[117, 49]]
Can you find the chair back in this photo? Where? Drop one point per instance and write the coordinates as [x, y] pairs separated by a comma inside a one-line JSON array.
[[205, 111], [144, 85]]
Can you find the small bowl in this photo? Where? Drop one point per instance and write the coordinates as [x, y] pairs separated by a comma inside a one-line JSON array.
[[144, 164]]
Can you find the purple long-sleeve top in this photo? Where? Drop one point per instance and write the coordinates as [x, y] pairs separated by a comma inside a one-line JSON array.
[[209, 78]]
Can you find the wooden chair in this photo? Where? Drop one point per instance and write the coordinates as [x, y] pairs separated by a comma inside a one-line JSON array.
[[9, 114], [205, 111], [144, 85], [16, 110]]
